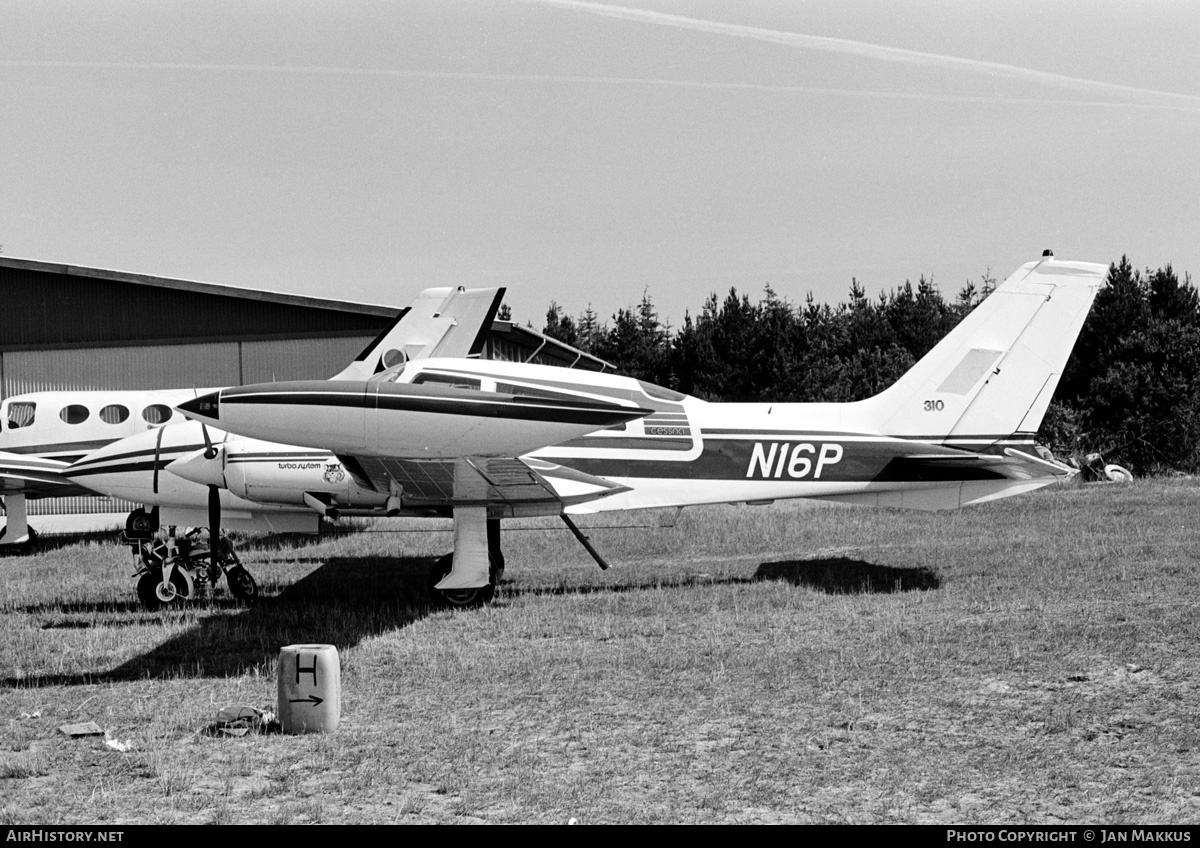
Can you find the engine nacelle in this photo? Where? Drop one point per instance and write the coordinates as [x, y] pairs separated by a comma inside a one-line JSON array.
[[285, 478]]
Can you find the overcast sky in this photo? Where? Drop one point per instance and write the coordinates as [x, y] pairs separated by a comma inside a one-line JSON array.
[[585, 153]]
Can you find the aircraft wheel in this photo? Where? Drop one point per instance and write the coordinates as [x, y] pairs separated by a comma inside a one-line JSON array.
[[462, 598], [140, 525], [22, 548], [1117, 474], [241, 583], [153, 594]]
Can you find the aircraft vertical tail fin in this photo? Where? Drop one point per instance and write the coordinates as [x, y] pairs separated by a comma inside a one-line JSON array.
[[440, 322], [990, 380]]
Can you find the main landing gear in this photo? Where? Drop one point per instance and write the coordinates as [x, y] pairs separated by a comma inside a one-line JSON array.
[[176, 569], [16, 534], [468, 576]]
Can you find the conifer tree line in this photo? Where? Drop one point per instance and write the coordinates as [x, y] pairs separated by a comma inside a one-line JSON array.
[[1131, 389]]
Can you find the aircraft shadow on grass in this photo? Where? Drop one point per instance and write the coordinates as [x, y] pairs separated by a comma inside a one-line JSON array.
[[844, 576], [833, 575], [347, 600], [340, 603]]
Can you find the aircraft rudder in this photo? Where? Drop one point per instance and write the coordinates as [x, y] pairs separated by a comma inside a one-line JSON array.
[[993, 375], [440, 321]]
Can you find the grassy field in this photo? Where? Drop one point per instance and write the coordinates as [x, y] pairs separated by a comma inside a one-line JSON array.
[[1029, 661]]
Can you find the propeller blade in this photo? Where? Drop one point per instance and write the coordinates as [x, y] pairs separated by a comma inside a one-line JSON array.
[[214, 521], [209, 450]]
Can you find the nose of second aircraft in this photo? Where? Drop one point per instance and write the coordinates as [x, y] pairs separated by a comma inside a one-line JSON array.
[[204, 408]]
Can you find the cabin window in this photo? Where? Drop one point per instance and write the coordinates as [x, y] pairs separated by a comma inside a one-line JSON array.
[[74, 414], [114, 413], [156, 413], [21, 414], [447, 380]]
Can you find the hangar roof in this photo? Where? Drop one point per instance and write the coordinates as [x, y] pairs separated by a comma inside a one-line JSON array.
[[48, 305], [54, 306]]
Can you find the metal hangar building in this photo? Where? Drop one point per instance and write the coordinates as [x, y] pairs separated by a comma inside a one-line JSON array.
[[70, 327]]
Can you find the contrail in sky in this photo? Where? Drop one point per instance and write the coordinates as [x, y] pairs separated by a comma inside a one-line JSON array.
[[582, 79], [880, 52]]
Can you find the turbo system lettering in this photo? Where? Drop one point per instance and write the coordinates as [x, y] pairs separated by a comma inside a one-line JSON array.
[[301, 466], [784, 460]]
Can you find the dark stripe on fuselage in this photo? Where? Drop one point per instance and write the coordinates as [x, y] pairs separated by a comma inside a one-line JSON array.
[[139, 460], [753, 459], [933, 438], [636, 443], [78, 449], [308, 456], [175, 450]]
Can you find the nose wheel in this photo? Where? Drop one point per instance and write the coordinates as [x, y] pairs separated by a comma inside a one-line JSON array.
[[156, 593], [192, 571]]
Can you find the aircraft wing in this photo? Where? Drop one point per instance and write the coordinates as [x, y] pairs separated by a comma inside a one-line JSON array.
[[511, 486], [35, 476]]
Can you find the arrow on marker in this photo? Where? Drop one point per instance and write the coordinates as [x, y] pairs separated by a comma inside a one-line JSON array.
[[311, 699]]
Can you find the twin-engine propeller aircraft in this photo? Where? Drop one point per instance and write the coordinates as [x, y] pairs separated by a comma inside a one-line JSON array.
[[442, 321], [486, 440]]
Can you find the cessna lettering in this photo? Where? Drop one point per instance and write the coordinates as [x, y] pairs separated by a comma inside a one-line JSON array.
[[796, 461]]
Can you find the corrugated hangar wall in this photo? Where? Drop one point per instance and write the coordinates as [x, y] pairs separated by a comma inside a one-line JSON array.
[[210, 365], [68, 327]]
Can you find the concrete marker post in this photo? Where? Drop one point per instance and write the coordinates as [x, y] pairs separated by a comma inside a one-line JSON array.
[[310, 689]]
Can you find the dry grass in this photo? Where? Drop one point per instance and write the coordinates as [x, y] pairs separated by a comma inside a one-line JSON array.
[[1031, 661]]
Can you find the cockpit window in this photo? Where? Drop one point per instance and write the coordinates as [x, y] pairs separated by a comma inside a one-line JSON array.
[[156, 413], [114, 413], [21, 414], [530, 391], [76, 413], [659, 393], [452, 380]]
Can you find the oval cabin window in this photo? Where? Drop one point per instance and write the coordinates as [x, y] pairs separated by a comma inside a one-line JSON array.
[[74, 414], [114, 414], [157, 413]]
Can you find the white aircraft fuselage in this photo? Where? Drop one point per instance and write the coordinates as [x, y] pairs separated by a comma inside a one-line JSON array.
[[673, 450]]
